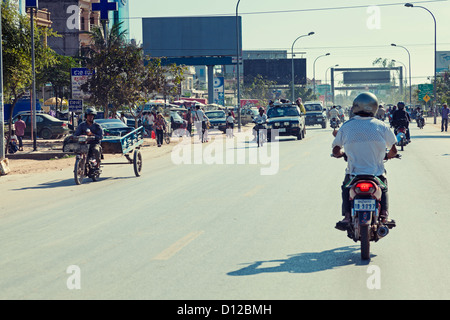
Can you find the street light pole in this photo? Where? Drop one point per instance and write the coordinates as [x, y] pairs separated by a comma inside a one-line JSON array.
[[33, 86], [326, 71], [410, 5], [410, 84], [238, 76], [314, 71], [2, 116], [406, 74], [292, 58]]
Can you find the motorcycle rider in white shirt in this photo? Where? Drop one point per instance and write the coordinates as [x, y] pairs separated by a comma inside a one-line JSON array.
[[365, 140]]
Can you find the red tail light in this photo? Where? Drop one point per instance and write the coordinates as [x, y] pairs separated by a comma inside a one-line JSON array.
[[402, 130], [365, 186]]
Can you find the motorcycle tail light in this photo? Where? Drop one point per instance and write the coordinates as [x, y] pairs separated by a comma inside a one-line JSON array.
[[402, 130], [365, 187]]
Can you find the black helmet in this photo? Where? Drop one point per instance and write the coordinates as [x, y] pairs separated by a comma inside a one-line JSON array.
[[90, 111], [366, 103], [401, 105]]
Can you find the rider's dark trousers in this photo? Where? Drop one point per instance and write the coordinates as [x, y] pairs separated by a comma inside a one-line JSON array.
[[346, 205]]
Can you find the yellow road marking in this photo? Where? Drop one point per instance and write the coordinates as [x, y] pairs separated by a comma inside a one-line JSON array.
[[253, 191], [177, 246]]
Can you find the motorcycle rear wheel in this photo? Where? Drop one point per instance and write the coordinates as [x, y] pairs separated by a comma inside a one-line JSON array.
[[365, 242], [137, 162], [79, 171]]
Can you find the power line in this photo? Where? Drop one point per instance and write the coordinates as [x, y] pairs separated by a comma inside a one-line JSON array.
[[303, 10]]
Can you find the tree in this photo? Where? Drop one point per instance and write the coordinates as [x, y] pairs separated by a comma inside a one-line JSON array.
[[443, 87], [306, 94], [17, 73], [108, 59], [260, 89], [58, 75]]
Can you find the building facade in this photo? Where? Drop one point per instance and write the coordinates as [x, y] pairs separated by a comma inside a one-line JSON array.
[[74, 19]]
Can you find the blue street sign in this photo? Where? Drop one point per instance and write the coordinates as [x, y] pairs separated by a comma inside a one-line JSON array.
[[104, 7], [80, 72], [31, 3]]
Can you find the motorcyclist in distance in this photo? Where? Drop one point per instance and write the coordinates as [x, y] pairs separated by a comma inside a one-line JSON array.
[[91, 128], [401, 118], [260, 119], [334, 114], [364, 139]]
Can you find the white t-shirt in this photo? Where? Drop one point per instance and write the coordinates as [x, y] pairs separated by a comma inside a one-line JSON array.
[[334, 113], [365, 140], [200, 115]]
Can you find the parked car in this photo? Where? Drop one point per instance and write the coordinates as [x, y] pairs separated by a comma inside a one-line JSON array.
[[114, 127], [48, 127], [217, 119], [176, 121], [287, 119], [247, 115], [315, 114]]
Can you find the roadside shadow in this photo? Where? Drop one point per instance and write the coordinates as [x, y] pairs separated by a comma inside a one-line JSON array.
[[430, 137], [249, 143], [308, 262], [50, 184], [66, 183]]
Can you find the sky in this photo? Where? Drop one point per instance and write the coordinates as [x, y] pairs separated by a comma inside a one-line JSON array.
[[354, 32]]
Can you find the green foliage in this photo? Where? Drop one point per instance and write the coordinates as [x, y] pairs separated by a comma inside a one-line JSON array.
[[58, 75], [16, 54], [260, 89], [121, 79]]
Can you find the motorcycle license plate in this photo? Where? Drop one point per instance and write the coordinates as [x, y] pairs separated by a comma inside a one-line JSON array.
[[364, 205], [282, 130]]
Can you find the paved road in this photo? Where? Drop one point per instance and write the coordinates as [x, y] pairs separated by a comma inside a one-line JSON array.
[[258, 226]]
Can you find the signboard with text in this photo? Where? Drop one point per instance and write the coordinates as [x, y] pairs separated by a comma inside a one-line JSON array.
[[219, 91], [80, 77], [75, 105], [425, 90]]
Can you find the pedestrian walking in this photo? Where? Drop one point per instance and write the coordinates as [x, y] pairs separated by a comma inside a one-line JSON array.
[[200, 122], [188, 119], [19, 128], [160, 126], [444, 123], [230, 125]]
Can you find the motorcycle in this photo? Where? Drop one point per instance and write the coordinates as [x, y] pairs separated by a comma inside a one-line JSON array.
[[366, 225], [334, 123], [400, 133], [420, 121], [85, 163]]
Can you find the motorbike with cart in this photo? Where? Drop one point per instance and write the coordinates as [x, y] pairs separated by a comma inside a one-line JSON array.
[[86, 164]]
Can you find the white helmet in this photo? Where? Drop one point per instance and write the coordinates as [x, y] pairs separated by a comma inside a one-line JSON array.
[[365, 102]]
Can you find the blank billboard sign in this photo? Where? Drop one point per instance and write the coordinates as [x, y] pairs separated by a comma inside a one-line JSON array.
[[278, 70], [367, 77], [190, 36]]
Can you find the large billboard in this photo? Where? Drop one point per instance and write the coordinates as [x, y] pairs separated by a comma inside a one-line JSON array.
[[278, 70], [367, 77], [190, 36], [442, 61]]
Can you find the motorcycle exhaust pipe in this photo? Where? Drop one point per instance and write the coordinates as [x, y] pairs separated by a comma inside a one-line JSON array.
[[382, 231]]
